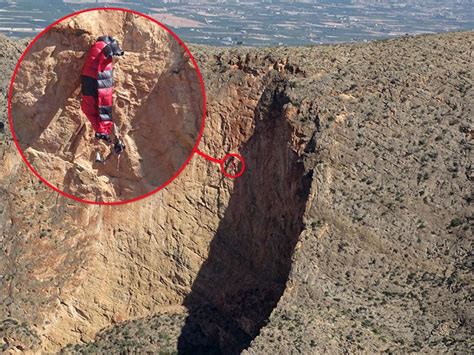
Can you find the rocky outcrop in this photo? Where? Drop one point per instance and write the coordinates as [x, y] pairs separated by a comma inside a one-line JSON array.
[[157, 106], [349, 231]]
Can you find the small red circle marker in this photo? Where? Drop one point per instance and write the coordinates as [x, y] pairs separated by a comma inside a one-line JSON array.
[[227, 163]]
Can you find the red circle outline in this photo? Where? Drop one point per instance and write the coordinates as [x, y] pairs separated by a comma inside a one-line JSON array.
[[191, 154], [232, 155]]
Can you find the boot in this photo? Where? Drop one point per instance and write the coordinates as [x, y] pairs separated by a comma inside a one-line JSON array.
[[119, 147], [98, 158]]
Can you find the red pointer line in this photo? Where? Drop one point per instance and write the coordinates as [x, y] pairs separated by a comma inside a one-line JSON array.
[[222, 161], [205, 156]]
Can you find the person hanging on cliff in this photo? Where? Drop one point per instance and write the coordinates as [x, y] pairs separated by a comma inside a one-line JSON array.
[[97, 91]]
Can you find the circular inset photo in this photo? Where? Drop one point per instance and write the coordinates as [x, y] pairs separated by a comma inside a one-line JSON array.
[[107, 106]]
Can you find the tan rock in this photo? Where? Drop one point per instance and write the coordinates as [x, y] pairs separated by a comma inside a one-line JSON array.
[[347, 235]]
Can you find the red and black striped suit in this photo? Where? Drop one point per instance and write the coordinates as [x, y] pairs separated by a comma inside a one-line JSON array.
[[97, 84]]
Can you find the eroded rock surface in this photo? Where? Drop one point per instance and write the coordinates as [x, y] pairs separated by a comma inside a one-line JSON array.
[[349, 231]]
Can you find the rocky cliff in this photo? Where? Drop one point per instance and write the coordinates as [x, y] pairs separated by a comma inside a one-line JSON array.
[[349, 231]]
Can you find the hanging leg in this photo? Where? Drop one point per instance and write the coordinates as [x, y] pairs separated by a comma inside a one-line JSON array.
[[119, 146], [98, 158]]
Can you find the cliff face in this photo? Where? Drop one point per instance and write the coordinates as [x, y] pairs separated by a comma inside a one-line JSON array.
[[350, 229], [157, 107]]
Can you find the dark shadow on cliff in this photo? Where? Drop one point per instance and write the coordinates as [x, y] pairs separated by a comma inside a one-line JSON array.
[[30, 121], [250, 256]]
